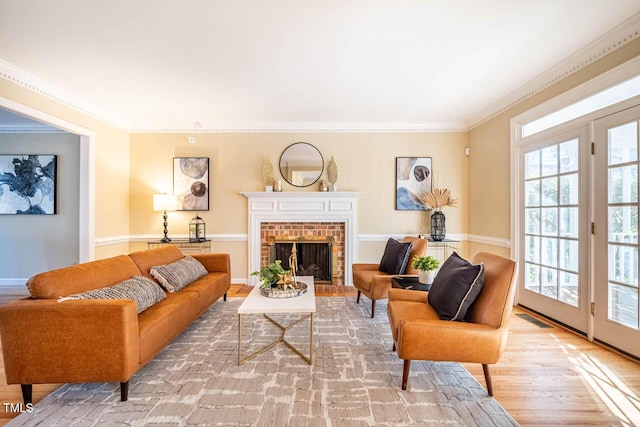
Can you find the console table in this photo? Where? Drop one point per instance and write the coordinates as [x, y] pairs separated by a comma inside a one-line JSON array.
[[185, 245], [442, 249]]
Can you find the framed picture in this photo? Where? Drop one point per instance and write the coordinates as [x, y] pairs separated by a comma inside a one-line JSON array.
[[28, 184], [413, 179], [191, 183]]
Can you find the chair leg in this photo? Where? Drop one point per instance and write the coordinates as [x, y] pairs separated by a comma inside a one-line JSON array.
[[358, 298], [405, 374], [27, 393], [487, 378], [373, 308], [124, 391], [394, 346], [224, 297]]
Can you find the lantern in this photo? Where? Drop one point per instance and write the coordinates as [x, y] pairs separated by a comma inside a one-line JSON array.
[[197, 230], [437, 226]]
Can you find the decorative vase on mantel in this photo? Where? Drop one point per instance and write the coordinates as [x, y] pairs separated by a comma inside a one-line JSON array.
[[438, 228], [332, 174]]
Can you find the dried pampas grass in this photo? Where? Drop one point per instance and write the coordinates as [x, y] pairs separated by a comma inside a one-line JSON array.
[[438, 198]]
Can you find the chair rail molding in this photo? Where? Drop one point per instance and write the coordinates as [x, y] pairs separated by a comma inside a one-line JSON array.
[[302, 206]]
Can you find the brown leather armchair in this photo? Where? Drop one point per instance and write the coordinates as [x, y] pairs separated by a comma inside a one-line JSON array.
[[419, 334], [375, 284]]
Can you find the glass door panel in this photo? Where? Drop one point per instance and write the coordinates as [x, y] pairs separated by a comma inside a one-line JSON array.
[[616, 290], [553, 228]]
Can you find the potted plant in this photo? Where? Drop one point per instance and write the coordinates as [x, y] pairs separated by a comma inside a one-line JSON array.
[[271, 273], [427, 266]]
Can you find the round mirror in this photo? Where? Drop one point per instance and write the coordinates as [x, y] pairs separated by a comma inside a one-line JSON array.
[[301, 164]]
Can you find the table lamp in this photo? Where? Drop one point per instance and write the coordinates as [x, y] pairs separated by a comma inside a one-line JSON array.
[[164, 203]]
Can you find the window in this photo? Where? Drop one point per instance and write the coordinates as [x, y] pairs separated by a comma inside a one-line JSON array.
[[605, 98]]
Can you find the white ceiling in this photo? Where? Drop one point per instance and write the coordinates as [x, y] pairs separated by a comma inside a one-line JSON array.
[[165, 65]]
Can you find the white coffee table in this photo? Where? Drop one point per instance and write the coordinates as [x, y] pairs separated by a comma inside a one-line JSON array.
[[256, 303]]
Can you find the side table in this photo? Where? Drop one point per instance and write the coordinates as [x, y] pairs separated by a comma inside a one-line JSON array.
[[408, 282], [185, 245]]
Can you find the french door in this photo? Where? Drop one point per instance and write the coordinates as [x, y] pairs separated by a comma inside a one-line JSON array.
[[553, 224], [616, 203]]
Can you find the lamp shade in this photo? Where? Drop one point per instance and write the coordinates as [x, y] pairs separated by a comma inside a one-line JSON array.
[[164, 202]]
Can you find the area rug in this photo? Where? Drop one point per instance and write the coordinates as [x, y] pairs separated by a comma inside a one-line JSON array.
[[354, 380]]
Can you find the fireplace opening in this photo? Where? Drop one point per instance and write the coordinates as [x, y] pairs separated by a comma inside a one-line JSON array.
[[315, 256]]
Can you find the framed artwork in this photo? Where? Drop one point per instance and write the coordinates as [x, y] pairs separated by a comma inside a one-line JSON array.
[[191, 183], [413, 179], [28, 184]]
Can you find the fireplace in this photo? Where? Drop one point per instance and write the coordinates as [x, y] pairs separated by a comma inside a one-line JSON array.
[[315, 254], [303, 214], [326, 236]]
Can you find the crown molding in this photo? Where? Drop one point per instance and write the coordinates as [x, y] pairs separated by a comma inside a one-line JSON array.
[[30, 81], [28, 128], [297, 127], [602, 46], [614, 39]]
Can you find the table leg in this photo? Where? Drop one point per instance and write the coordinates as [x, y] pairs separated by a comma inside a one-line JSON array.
[[281, 339]]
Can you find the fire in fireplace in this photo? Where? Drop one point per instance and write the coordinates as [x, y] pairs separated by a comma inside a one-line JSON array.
[[315, 254]]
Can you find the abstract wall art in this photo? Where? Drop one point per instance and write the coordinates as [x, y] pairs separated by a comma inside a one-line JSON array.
[[191, 183], [413, 179], [28, 184]]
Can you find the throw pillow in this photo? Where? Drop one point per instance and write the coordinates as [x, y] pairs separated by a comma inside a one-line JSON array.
[[395, 257], [456, 287], [144, 291], [175, 276]]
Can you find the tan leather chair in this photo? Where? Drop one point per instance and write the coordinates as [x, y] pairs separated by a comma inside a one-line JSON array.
[[375, 284], [419, 334]]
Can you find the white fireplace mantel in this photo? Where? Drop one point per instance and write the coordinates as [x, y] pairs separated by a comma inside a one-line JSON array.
[[302, 206]]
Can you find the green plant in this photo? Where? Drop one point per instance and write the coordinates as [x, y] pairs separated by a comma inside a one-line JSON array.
[[269, 274], [425, 263]]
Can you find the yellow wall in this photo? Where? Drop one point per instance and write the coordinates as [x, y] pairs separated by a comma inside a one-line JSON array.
[[489, 162], [132, 167], [112, 161], [366, 163]]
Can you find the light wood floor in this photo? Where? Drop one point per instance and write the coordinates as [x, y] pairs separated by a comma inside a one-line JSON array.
[[546, 377]]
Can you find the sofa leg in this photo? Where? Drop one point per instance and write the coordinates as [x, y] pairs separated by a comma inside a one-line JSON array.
[[124, 391], [224, 297], [358, 298], [405, 374], [394, 346], [487, 378], [27, 393], [373, 308]]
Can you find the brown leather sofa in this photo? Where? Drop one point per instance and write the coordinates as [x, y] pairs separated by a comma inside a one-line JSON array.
[[420, 334], [375, 284], [45, 342]]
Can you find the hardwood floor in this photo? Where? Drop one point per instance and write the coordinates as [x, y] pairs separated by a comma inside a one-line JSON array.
[[546, 377]]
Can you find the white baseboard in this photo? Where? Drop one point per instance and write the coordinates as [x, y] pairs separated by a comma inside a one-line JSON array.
[[13, 282]]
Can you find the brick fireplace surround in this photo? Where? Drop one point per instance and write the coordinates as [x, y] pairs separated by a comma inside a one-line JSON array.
[[302, 213], [309, 230]]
